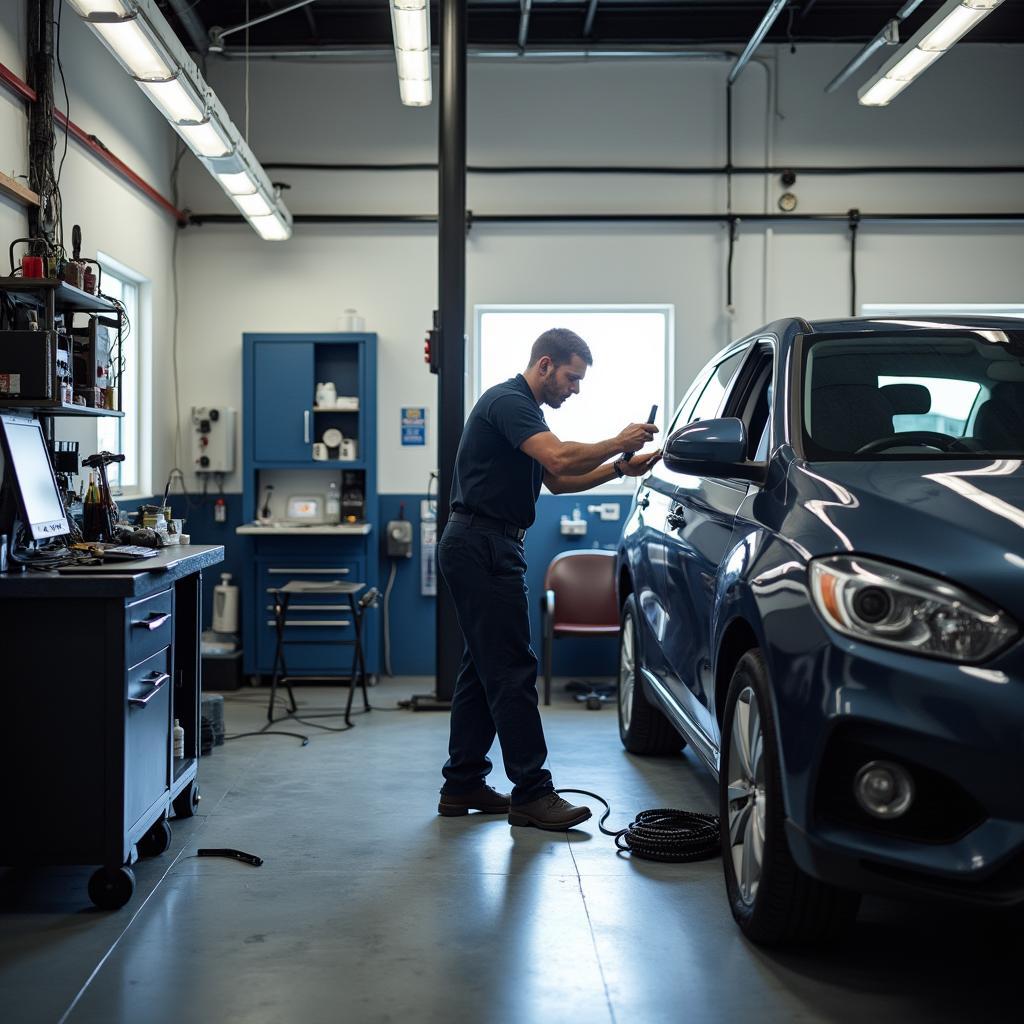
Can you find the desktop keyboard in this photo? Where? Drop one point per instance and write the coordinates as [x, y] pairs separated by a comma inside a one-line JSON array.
[[125, 552]]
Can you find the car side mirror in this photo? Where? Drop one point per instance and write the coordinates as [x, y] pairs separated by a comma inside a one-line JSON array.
[[713, 448]]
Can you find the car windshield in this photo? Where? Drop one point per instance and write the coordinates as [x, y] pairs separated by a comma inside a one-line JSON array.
[[923, 394]]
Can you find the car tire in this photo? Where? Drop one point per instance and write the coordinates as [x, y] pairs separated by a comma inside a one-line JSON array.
[[772, 900], [643, 728]]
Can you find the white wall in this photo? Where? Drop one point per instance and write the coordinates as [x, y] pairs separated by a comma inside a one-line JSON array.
[[963, 111], [115, 217]]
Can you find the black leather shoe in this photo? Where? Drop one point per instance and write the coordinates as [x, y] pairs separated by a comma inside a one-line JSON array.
[[484, 799], [548, 812]]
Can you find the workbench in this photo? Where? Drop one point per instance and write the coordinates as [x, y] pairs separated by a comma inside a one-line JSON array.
[[96, 666]]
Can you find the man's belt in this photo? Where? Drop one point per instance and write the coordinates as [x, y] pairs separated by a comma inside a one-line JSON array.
[[487, 523]]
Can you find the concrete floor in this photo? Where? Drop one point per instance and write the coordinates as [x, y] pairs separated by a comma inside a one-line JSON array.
[[370, 908]]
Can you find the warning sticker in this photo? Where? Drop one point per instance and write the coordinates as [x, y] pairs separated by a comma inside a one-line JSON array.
[[10, 383]]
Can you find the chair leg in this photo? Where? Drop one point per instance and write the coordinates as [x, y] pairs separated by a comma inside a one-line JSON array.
[[279, 668]]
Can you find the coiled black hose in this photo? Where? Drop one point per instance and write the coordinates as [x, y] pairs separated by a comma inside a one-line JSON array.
[[664, 834]]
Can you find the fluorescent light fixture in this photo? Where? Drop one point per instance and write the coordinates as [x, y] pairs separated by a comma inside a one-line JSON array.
[[413, 93], [180, 104], [951, 22], [410, 25], [138, 35], [238, 184], [136, 48], [207, 139], [271, 229], [254, 205]]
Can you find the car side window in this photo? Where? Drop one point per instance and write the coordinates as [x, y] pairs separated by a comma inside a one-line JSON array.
[[750, 399], [710, 400]]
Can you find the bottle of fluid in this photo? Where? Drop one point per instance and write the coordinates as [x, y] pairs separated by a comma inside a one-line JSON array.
[[333, 508], [179, 740], [92, 511], [225, 605]]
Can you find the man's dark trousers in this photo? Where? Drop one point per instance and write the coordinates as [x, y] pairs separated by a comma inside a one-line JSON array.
[[496, 692]]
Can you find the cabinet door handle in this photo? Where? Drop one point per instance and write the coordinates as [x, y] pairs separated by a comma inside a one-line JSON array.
[[157, 679], [155, 621], [305, 425], [309, 572]]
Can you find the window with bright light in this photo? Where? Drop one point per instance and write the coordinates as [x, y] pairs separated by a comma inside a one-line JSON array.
[[632, 350], [951, 404], [129, 364]]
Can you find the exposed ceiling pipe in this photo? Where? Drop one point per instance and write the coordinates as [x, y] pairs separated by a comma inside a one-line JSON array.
[[889, 36], [524, 22], [588, 24], [774, 10], [479, 53], [216, 44], [186, 14]]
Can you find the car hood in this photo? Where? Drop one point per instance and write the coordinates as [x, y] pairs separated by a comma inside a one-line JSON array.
[[962, 520]]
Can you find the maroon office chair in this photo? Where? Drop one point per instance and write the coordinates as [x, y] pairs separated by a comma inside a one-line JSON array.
[[579, 600]]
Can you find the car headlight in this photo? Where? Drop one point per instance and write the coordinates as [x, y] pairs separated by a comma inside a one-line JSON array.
[[896, 607]]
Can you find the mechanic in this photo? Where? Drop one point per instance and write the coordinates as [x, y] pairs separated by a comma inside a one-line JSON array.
[[507, 451]]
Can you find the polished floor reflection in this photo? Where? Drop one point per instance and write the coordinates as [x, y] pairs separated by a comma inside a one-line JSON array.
[[370, 908]]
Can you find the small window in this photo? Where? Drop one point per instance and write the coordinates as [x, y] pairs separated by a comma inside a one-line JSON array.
[[714, 391], [128, 435], [632, 350]]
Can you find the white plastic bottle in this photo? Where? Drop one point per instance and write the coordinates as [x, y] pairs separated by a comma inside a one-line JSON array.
[[225, 605], [333, 502], [179, 740]]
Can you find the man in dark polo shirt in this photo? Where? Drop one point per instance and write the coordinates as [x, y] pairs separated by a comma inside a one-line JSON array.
[[507, 451]]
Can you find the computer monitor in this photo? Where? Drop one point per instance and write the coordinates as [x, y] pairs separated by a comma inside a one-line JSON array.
[[27, 470]]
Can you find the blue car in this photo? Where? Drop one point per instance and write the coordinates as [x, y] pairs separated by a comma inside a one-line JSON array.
[[822, 591]]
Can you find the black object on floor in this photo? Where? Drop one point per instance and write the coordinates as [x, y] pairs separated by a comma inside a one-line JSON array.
[[245, 858], [594, 695]]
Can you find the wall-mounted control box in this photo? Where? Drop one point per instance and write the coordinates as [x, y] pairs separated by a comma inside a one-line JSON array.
[[399, 538], [213, 439]]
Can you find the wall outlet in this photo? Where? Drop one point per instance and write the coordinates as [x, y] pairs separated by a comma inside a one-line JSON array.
[[399, 538], [608, 511], [573, 527]]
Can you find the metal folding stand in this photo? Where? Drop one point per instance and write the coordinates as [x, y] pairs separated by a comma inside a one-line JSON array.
[[281, 676]]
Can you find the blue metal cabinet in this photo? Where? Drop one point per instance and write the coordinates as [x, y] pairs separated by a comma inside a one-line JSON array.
[[283, 390]]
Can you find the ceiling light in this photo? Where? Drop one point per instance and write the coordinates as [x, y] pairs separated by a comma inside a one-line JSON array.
[[179, 104], [136, 48], [207, 139], [953, 20], [271, 228], [412, 29], [87, 7], [414, 65], [238, 184], [413, 93], [254, 205]]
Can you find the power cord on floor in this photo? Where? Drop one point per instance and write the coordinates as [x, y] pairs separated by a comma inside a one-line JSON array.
[[664, 834]]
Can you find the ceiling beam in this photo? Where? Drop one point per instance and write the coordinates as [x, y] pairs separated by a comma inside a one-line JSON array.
[[588, 24], [774, 10], [524, 21]]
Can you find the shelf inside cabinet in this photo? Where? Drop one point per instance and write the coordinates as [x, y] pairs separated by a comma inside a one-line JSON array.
[[44, 408]]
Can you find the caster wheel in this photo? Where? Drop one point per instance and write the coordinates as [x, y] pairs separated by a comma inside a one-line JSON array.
[[112, 888], [186, 803], [156, 840]]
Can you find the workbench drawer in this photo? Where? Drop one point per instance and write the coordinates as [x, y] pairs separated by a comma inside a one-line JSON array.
[[147, 740], [149, 626]]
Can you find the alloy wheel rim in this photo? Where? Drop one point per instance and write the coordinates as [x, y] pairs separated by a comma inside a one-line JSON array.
[[747, 796], [627, 673]]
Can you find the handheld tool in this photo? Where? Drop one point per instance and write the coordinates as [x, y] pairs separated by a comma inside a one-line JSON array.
[[650, 419]]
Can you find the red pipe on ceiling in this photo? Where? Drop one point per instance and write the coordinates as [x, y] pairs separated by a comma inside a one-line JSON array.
[[93, 144]]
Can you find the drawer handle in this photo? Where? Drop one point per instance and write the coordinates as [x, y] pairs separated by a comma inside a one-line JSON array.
[[291, 623], [309, 572], [155, 621], [157, 679]]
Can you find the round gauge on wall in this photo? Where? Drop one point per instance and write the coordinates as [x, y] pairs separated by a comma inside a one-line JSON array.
[[332, 437], [787, 202]]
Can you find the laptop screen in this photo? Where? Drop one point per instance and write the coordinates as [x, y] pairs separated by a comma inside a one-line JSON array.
[[28, 469]]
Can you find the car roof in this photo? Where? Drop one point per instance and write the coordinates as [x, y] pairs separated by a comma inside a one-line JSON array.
[[890, 324]]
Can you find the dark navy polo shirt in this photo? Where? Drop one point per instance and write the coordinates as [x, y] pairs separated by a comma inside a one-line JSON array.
[[493, 477]]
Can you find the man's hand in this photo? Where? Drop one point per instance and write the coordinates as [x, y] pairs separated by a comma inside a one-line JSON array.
[[640, 464], [635, 436]]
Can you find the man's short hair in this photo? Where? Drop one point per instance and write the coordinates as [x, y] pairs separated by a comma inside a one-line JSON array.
[[560, 344]]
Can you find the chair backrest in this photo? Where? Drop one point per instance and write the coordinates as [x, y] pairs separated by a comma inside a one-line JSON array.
[[584, 586], [846, 416]]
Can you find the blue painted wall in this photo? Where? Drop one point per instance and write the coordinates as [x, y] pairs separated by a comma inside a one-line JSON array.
[[412, 615]]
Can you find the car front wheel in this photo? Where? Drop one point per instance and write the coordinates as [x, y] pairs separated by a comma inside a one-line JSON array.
[[772, 900], [643, 728]]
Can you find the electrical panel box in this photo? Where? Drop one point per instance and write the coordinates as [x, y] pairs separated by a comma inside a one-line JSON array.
[[399, 538], [213, 432]]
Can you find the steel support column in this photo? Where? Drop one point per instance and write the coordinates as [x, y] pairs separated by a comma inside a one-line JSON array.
[[452, 304]]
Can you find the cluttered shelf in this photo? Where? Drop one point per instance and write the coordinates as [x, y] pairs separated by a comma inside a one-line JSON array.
[[293, 530], [66, 297], [32, 405]]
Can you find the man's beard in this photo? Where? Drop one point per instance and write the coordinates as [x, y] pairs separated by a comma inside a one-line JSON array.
[[552, 393]]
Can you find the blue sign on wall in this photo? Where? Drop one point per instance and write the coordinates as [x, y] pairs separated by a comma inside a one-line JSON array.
[[414, 425]]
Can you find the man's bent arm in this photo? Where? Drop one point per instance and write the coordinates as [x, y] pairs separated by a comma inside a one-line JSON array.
[[573, 458]]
